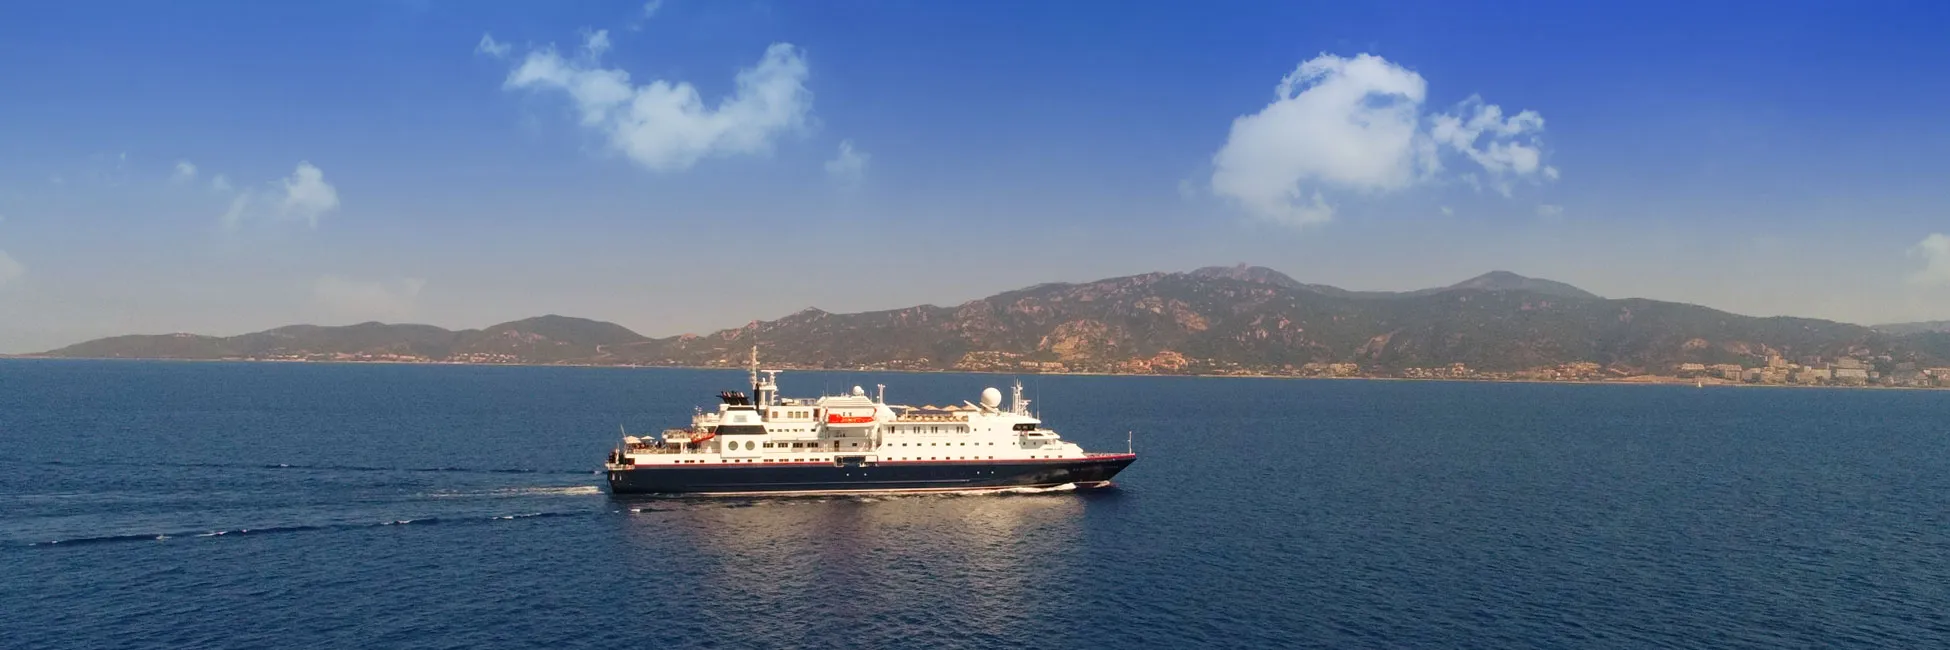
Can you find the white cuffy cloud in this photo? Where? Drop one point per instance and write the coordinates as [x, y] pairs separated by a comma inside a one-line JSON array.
[[304, 195], [185, 172], [1509, 148], [666, 126], [307, 195], [1935, 251], [1356, 126]]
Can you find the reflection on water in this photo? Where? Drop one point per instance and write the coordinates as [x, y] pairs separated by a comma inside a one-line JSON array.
[[785, 568]]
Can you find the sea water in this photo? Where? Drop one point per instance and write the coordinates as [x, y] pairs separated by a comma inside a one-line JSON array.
[[241, 505]]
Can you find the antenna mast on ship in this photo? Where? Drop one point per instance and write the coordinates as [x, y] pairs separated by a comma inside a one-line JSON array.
[[764, 393], [752, 369]]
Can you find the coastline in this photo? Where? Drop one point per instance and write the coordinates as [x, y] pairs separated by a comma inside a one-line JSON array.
[[1636, 380]]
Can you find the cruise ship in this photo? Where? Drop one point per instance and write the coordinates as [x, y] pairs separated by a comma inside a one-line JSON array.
[[765, 444]]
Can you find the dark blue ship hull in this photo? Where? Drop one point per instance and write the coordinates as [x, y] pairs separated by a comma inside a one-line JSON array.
[[849, 475]]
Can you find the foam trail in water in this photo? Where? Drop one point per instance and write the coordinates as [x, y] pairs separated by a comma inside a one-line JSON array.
[[552, 490], [328, 468], [292, 529], [104, 538], [1066, 487]]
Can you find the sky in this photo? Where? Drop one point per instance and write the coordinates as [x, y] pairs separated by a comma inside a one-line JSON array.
[[685, 166]]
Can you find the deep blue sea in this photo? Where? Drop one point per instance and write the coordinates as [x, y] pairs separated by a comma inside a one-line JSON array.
[[238, 505]]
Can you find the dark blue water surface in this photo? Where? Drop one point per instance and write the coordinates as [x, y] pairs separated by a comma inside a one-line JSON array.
[[214, 505]]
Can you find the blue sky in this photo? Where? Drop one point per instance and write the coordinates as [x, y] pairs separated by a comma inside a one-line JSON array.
[[465, 163]]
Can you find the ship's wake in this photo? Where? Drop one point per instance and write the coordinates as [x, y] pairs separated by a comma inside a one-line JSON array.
[[322, 468], [1066, 487], [268, 530], [535, 491]]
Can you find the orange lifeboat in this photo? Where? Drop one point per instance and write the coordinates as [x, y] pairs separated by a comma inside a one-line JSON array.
[[836, 418], [689, 436]]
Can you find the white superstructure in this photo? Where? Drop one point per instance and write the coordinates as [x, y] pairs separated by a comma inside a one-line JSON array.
[[854, 427]]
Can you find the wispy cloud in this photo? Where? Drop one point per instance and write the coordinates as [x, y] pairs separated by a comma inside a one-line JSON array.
[[10, 269], [596, 43], [1357, 126], [220, 183], [648, 11], [491, 47], [1935, 251], [185, 172], [1549, 211], [341, 299], [849, 166], [304, 195], [666, 126]]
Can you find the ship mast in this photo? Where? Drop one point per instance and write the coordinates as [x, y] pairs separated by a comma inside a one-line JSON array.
[[764, 392]]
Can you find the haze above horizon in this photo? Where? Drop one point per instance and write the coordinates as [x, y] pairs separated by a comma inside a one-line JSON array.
[[683, 166]]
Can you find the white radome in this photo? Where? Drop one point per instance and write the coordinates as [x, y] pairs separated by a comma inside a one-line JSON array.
[[991, 397], [859, 392]]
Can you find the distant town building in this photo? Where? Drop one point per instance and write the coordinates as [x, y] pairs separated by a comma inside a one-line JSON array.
[[1856, 376]]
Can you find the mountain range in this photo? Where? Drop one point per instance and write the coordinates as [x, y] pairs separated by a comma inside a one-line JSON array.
[[1914, 328], [1212, 320]]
